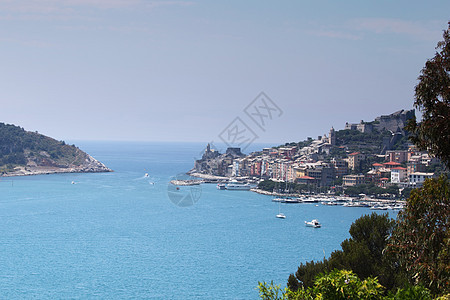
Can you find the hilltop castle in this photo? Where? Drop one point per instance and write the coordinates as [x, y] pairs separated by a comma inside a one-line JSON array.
[[394, 122]]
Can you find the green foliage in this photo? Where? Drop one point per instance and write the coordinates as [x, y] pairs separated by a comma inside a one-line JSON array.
[[355, 140], [267, 185], [336, 285], [371, 189], [16, 145], [271, 291], [343, 284], [432, 98], [421, 239], [307, 273], [271, 186], [416, 292]]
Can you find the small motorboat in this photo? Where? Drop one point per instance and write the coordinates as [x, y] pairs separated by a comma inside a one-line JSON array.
[[281, 216], [314, 223]]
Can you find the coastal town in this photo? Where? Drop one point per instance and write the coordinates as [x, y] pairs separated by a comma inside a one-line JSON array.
[[329, 162]]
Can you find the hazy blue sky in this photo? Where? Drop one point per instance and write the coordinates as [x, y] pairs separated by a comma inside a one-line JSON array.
[[183, 70]]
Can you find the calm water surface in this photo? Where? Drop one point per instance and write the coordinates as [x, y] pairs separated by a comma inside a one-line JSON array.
[[118, 235]]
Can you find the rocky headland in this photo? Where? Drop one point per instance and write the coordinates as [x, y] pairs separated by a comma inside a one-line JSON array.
[[24, 153]]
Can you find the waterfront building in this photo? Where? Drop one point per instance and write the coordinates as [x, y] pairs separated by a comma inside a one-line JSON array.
[[306, 180], [352, 180]]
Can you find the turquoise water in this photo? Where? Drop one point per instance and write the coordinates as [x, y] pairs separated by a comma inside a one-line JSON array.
[[119, 236]]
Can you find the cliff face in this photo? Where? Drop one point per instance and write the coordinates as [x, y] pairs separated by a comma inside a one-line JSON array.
[[30, 153]]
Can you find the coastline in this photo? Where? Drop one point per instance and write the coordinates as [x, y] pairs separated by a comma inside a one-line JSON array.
[[32, 171], [263, 192], [207, 176]]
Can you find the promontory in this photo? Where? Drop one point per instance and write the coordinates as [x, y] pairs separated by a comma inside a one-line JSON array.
[[31, 153]]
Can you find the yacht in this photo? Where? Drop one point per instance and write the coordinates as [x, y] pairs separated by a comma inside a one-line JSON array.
[[310, 200], [314, 223], [237, 186], [379, 207], [292, 200]]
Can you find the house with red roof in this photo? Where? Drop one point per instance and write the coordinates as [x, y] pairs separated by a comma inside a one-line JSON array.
[[391, 164], [306, 180], [398, 174], [377, 166]]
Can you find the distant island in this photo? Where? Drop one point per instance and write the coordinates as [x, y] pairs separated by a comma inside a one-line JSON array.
[[30, 153]]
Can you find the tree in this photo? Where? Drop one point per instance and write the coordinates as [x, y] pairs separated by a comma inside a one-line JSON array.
[[362, 253], [432, 98], [421, 238], [337, 284]]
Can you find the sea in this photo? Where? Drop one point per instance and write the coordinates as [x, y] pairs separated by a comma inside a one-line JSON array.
[[125, 235]]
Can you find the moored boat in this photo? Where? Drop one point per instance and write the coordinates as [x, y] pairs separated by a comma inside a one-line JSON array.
[[221, 186], [237, 186], [314, 223]]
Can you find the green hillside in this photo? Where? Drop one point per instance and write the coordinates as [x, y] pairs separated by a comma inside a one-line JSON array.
[[19, 147]]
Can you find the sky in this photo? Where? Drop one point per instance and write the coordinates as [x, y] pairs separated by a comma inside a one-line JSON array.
[[213, 71]]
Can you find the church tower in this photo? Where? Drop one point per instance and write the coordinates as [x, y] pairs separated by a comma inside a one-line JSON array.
[[332, 137]]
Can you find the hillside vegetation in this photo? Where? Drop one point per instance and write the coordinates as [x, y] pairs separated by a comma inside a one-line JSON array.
[[34, 151]]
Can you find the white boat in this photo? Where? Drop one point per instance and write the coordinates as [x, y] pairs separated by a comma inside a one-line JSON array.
[[379, 207], [221, 186], [331, 203], [356, 204], [278, 199], [281, 216], [146, 175], [290, 200], [237, 186], [310, 200], [398, 206], [314, 223]]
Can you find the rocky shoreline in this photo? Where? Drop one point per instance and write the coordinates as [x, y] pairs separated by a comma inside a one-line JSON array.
[[91, 165], [25, 171], [207, 176]]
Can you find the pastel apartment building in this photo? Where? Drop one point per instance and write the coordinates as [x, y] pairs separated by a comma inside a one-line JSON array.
[[398, 174], [352, 180], [354, 160]]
